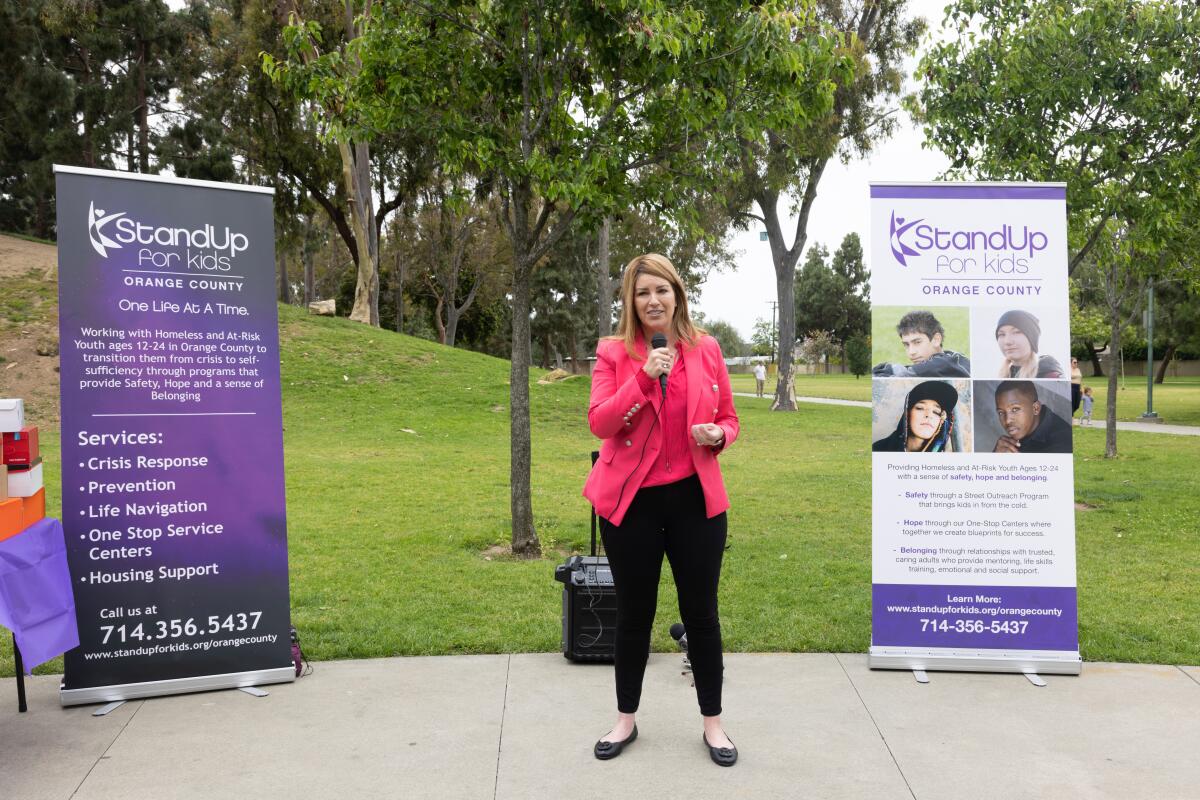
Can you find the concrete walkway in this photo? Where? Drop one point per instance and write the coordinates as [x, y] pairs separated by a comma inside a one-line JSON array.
[[521, 727], [1142, 427]]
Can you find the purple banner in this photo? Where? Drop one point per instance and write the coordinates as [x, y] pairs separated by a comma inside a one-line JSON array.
[[990, 617], [172, 444], [976, 192]]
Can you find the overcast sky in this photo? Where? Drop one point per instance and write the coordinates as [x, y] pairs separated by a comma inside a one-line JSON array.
[[742, 296]]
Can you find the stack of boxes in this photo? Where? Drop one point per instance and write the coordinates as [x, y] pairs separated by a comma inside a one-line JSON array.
[[22, 494]]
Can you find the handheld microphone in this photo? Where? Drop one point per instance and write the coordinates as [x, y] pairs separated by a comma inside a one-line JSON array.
[[657, 341]]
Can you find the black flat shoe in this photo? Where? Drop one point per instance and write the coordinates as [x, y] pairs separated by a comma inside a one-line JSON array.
[[721, 756], [606, 750]]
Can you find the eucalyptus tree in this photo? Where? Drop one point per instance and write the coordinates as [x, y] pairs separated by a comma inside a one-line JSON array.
[[786, 162]]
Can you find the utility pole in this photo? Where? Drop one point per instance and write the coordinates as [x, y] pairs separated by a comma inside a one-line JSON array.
[[1150, 416]]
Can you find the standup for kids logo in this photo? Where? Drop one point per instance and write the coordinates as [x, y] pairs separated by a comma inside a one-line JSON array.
[[205, 249], [999, 250]]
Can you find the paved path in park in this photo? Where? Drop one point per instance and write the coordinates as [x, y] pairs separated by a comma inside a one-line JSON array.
[[1143, 427], [521, 727]]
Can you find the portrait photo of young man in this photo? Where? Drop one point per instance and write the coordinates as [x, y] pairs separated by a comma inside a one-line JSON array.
[[924, 341], [1021, 416]]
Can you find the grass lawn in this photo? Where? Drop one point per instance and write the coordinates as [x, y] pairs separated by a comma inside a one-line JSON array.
[[835, 385], [1176, 400], [397, 472]]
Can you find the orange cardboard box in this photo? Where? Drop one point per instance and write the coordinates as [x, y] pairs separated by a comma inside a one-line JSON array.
[[33, 508], [11, 515], [3, 482]]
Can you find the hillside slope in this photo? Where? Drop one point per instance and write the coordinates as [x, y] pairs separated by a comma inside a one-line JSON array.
[[29, 326]]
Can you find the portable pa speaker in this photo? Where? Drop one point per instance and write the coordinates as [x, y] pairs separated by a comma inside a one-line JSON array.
[[589, 604], [589, 609]]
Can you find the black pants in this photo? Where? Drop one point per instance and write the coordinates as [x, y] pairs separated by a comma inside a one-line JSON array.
[[1076, 396], [667, 519]]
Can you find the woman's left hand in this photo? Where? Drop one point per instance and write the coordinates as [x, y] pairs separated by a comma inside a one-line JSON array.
[[708, 433]]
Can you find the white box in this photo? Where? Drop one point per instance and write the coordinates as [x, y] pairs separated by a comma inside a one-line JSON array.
[[26, 482], [12, 415]]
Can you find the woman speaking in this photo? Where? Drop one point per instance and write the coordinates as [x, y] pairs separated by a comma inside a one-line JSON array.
[[661, 402]]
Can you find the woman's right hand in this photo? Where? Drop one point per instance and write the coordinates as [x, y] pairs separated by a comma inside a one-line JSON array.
[[658, 362]]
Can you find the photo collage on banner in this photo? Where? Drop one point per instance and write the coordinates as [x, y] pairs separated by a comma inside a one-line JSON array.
[[973, 532]]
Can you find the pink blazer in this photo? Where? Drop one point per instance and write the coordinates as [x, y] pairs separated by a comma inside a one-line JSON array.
[[615, 392]]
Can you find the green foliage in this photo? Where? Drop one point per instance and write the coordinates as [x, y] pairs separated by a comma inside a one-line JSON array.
[[789, 159], [84, 84], [728, 337], [570, 99], [816, 347], [816, 287], [1102, 96], [833, 295], [762, 340], [565, 110], [858, 355]]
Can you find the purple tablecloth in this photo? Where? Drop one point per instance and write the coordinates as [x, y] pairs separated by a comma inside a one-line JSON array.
[[36, 600]]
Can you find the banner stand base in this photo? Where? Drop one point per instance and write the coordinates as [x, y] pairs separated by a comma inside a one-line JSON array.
[[108, 708], [918, 660], [200, 683]]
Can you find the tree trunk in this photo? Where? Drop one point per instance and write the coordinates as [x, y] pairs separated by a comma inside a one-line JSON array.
[[1161, 373], [604, 282], [399, 289], [785, 286], [524, 537], [573, 351], [784, 259], [356, 176], [89, 145], [143, 112], [1114, 363], [309, 273], [452, 315], [1094, 354], [437, 318], [285, 289]]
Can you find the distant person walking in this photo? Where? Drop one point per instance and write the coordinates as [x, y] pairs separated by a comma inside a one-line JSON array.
[[1076, 384], [760, 377], [1087, 406]]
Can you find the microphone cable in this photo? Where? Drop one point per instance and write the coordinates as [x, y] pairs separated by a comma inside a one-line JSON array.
[[641, 457], [593, 597]]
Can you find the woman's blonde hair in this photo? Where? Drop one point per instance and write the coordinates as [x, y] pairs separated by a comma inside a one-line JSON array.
[[1025, 369], [659, 267]]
